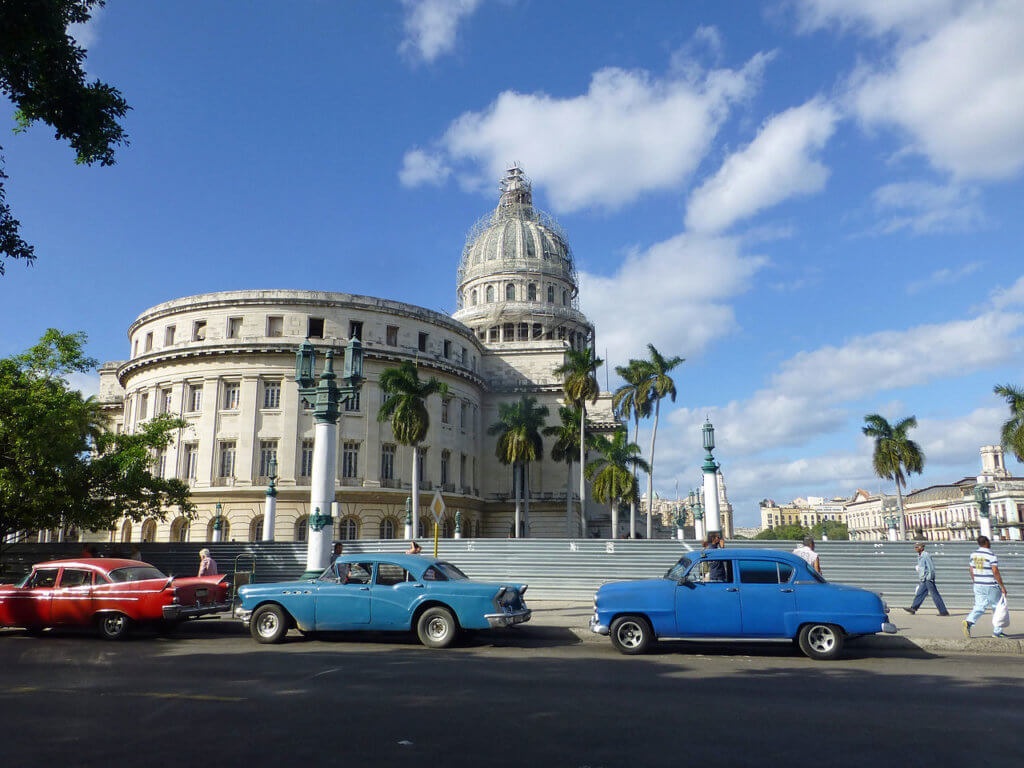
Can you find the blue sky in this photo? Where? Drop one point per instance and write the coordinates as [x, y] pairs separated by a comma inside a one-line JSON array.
[[815, 202]]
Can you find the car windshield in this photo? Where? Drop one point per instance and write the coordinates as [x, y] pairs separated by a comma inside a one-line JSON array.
[[136, 573], [676, 571], [453, 573]]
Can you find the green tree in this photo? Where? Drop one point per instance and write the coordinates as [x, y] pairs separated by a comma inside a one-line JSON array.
[[406, 409], [659, 386], [896, 456], [1012, 434], [59, 467], [612, 473], [632, 400], [783, 533], [518, 429], [566, 449], [41, 73], [835, 531], [579, 383]]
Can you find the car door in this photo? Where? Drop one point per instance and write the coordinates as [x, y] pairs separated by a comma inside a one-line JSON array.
[[393, 596], [30, 605], [766, 597], [72, 598], [345, 602], [708, 601]]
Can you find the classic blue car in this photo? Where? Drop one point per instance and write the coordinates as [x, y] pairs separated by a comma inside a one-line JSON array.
[[382, 592], [753, 594]]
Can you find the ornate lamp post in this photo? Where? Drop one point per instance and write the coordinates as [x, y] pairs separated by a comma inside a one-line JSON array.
[[680, 522], [218, 523], [270, 507], [710, 468], [892, 523], [408, 518], [981, 497], [327, 398], [458, 524], [698, 515]]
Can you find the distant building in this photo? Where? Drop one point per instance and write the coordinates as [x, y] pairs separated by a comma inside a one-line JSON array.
[[807, 512], [666, 510]]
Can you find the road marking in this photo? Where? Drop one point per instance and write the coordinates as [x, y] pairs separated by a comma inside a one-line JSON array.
[[188, 696]]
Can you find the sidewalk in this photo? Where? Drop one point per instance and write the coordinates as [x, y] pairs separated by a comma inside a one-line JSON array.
[[925, 630]]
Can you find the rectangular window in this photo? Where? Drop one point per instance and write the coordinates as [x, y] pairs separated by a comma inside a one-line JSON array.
[[160, 462], [199, 330], [462, 470], [227, 459], [135, 348], [149, 341], [143, 405], [232, 391], [387, 462], [355, 328], [463, 412], [421, 463], [268, 456], [234, 327], [350, 460], [445, 409], [306, 462], [191, 461], [195, 397], [492, 334], [168, 335], [275, 325], [392, 336], [447, 349], [422, 342], [163, 400], [272, 394], [352, 403], [315, 328], [462, 356], [508, 332], [445, 461]]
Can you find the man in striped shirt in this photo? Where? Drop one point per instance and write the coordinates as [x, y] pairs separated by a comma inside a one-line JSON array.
[[988, 585]]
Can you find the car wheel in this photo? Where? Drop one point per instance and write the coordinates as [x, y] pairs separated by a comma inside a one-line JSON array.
[[114, 626], [821, 642], [269, 624], [631, 635], [437, 628]]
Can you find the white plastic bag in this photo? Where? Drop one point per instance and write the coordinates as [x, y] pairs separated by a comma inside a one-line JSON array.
[[1001, 614]]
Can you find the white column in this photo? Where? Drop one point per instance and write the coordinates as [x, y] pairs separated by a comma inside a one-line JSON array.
[[218, 534], [679, 534], [985, 523], [894, 534], [712, 520], [698, 529], [321, 495], [269, 517]]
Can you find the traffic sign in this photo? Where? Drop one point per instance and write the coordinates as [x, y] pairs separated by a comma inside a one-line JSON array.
[[437, 506]]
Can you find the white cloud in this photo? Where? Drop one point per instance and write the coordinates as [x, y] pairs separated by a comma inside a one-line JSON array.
[[924, 208], [419, 167], [431, 26], [86, 383], [680, 288], [87, 34], [778, 164], [957, 92], [945, 276], [955, 442], [630, 133], [1006, 297], [874, 16]]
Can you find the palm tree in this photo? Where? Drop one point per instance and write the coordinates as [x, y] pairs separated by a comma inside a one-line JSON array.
[[631, 400], [1012, 434], [612, 473], [659, 385], [406, 409], [567, 449], [579, 383], [519, 442], [894, 453]]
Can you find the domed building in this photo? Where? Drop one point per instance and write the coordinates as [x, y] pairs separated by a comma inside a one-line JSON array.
[[225, 363]]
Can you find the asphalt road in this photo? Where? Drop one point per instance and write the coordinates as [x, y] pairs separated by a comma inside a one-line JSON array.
[[526, 696]]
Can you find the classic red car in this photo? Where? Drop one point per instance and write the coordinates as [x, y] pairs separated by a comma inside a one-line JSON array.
[[110, 594]]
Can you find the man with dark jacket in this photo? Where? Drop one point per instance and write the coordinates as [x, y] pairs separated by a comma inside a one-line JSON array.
[[926, 582]]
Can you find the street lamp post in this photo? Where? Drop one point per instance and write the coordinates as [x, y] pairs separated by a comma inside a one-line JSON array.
[[680, 522], [408, 518], [698, 515], [710, 468], [327, 398], [270, 508], [981, 497], [458, 524], [892, 523], [218, 523]]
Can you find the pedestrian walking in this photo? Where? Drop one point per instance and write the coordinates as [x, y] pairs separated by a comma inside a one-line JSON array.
[[926, 582], [988, 586], [207, 565], [806, 552]]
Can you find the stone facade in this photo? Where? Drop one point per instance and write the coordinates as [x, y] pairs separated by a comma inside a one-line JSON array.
[[807, 512]]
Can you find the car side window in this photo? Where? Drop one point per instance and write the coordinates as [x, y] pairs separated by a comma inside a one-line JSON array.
[[43, 578], [73, 577], [389, 574], [785, 573], [711, 572], [433, 574], [356, 573]]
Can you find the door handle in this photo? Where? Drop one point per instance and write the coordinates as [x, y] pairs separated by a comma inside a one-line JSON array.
[[785, 590], [364, 589], [417, 586], [732, 589]]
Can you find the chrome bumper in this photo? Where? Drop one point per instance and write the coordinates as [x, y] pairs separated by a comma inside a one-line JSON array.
[[597, 627], [889, 628], [242, 615], [497, 620], [175, 612]]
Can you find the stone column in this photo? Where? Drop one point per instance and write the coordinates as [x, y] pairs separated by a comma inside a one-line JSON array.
[[270, 513], [321, 496]]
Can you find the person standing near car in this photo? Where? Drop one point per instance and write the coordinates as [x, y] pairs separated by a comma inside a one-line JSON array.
[[207, 565], [926, 582], [338, 551], [806, 552], [988, 585]]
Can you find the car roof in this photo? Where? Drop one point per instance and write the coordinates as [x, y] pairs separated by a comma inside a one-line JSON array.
[[409, 562], [100, 563], [740, 553]]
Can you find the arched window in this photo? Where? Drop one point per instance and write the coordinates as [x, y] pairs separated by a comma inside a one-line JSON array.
[[348, 528], [179, 530], [387, 528], [473, 297], [126, 531], [490, 293], [302, 528], [225, 528], [551, 294], [448, 527], [510, 292], [531, 292], [256, 528], [149, 530]]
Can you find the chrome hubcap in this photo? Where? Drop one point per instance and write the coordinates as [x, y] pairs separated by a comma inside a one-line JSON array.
[[821, 639], [630, 634], [267, 625], [437, 628], [113, 624]]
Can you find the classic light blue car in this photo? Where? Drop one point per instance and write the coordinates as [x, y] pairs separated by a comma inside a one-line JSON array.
[[738, 594], [382, 593]]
